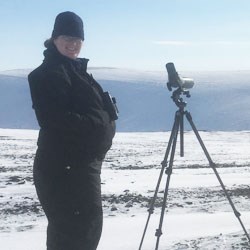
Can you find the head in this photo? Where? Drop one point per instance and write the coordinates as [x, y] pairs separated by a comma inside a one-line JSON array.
[[68, 34]]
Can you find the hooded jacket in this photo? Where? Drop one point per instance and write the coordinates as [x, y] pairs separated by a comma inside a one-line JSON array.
[[70, 109]]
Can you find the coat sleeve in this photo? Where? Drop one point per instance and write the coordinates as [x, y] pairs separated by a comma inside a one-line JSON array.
[[51, 102]]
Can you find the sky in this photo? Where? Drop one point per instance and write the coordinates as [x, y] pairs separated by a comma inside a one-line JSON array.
[[133, 34]]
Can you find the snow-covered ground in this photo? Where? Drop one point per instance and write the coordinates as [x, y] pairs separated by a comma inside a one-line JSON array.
[[198, 216]]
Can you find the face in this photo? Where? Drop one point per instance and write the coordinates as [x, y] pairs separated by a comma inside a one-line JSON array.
[[68, 46]]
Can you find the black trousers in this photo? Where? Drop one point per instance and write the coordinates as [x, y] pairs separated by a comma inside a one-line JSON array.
[[70, 195]]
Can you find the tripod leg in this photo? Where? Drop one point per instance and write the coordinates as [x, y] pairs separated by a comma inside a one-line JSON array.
[[164, 165], [213, 166], [181, 134], [168, 172]]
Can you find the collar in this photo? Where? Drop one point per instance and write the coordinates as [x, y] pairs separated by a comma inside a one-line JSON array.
[[53, 56]]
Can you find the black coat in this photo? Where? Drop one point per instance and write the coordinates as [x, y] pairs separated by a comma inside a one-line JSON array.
[[76, 132], [70, 109]]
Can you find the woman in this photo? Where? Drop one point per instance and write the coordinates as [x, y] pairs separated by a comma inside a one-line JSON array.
[[76, 132]]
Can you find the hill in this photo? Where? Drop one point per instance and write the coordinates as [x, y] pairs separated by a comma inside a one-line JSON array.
[[219, 100]]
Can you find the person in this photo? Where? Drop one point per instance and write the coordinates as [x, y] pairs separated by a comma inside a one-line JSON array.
[[76, 131]]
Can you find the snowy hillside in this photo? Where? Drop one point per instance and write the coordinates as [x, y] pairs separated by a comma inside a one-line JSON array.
[[219, 100], [198, 215]]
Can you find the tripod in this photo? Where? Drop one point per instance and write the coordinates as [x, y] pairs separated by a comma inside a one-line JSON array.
[[179, 128]]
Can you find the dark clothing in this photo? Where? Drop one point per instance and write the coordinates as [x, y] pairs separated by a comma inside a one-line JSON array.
[[71, 199], [76, 133], [69, 108]]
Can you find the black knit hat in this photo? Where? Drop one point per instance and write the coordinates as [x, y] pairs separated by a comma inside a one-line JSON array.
[[68, 24]]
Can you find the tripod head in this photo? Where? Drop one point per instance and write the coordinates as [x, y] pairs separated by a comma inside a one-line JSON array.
[[178, 100]]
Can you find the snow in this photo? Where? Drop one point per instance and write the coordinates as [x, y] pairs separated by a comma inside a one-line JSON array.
[[198, 216]]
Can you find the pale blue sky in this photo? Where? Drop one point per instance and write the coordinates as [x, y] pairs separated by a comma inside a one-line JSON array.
[[136, 34]]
